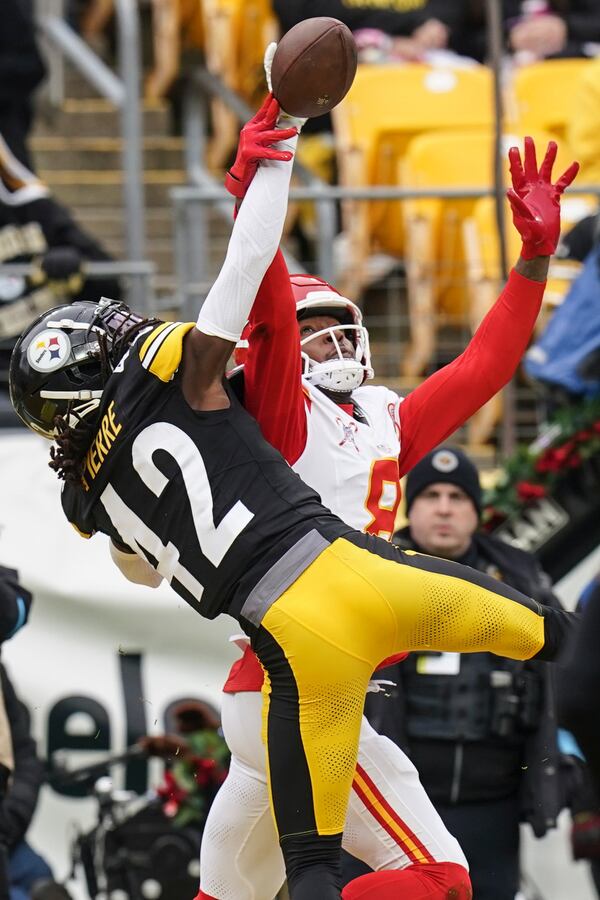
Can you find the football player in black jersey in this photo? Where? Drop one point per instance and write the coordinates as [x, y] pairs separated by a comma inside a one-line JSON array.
[[156, 452]]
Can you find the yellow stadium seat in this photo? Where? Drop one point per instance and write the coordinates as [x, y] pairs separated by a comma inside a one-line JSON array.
[[386, 107], [542, 94], [435, 251], [485, 279], [583, 127]]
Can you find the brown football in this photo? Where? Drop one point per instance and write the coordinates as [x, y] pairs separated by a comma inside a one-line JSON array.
[[314, 66]]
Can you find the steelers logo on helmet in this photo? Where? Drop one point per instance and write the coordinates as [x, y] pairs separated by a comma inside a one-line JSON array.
[[445, 461], [49, 350]]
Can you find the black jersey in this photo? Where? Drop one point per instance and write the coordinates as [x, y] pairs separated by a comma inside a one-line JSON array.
[[201, 495]]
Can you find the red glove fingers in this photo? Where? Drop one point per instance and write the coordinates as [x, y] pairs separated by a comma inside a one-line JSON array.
[[530, 165], [548, 161], [567, 177], [255, 139], [534, 200], [530, 229], [516, 170]]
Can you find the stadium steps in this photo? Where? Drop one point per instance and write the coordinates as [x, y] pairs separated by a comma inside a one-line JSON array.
[[56, 153], [95, 117], [77, 152]]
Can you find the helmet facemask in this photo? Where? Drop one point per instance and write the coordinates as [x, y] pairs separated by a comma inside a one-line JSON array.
[[339, 374]]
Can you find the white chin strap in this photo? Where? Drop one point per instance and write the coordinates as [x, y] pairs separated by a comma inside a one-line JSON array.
[[341, 375]]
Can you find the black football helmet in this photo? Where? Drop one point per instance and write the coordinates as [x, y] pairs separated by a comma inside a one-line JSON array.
[[60, 365]]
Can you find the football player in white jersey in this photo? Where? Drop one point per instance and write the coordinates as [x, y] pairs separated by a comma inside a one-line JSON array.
[[306, 365]]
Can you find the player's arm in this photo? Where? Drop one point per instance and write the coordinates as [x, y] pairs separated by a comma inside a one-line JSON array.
[[445, 400], [273, 391], [254, 241], [132, 566]]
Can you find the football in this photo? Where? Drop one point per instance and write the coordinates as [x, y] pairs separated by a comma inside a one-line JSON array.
[[314, 66]]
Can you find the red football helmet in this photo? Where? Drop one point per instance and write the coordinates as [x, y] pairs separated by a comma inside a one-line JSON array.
[[316, 297]]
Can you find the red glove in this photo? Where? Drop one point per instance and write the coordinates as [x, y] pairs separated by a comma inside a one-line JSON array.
[[535, 200], [254, 145]]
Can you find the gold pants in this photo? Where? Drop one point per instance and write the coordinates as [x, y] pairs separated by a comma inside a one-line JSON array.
[[321, 640]]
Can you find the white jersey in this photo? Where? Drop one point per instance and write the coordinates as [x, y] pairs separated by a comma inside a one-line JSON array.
[[352, 465]]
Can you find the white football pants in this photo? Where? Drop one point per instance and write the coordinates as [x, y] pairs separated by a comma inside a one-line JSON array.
[[390, 824]]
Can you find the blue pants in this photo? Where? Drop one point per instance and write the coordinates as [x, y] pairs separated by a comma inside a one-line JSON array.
[[25, 867]]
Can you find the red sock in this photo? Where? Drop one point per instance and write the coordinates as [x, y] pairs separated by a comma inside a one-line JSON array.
[[203, 896], [421, 881]]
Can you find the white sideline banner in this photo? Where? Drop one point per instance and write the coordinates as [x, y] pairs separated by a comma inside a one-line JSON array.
[[101, 660]]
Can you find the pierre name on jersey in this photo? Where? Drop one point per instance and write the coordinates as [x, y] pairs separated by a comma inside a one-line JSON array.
[[200, 495]]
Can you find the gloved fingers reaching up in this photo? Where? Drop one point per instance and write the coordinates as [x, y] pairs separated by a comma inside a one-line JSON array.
[[535, 199], [256, 143]]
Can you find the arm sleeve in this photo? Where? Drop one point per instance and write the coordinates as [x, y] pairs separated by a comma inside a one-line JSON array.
[[445, 400], [18, 806], [273, 370], [254, 241]]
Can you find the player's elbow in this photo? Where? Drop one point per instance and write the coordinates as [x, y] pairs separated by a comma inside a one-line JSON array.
[[134, 568]]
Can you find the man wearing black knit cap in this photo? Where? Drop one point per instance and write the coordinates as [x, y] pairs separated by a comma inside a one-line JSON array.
[[480, 729]]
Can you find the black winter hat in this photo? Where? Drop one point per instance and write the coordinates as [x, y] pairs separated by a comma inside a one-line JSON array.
[[448, 465]]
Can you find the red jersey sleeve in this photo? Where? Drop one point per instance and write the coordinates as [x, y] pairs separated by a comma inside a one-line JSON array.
[[246, 674], [273, 368], [445, 400]]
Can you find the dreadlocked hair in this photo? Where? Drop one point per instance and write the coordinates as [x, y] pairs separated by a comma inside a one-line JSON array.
[[71, 445], [124, 336], [72, 441]]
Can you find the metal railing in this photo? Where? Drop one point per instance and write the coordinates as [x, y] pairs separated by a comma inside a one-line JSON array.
[[122, 91], [191, 228], [138, 272], [187, 200]]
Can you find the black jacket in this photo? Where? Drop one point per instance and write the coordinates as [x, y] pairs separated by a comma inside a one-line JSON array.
[[528, 763], [18, 801], [18, 805], [42, 230], [387, 15], [582, 18], [15, 602], [21, 65]]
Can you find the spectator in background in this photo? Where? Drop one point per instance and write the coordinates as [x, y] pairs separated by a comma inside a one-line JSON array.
[[535, 29], [580, 688], [481, 730], [580, 712], [539, 29], [585, 810], [21, 71], [421, 27], [34, 228], [24, 873]]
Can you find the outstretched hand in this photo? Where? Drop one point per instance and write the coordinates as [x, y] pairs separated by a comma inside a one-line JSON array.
[[535, 200], [256, 138]]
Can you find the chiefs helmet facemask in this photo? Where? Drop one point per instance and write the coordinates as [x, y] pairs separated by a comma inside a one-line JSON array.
[[315, 297], [60, 365]]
